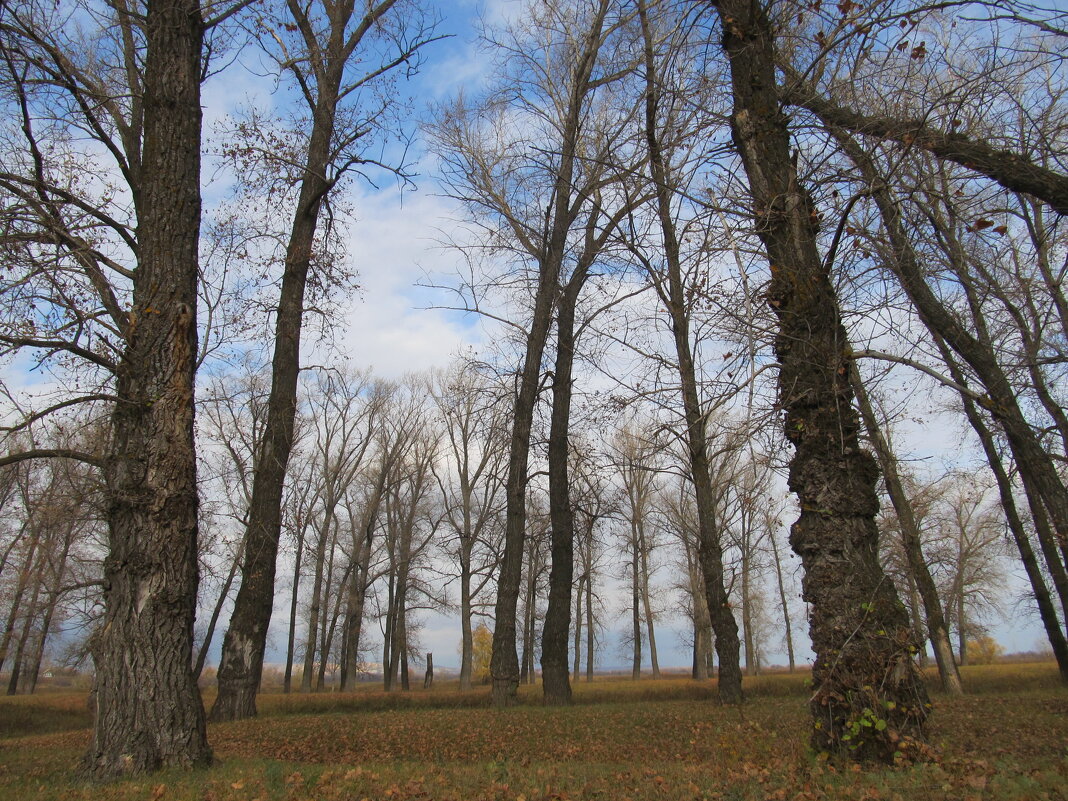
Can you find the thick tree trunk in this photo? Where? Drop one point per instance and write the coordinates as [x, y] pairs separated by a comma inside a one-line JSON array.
[[860, 631], [937, 631], [673, 296], [145, 639]]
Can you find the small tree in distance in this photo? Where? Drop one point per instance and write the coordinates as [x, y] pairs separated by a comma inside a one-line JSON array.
[[984, 650], [482, 638]]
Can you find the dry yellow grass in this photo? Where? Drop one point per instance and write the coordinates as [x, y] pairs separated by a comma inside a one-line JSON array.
[[667, 739]]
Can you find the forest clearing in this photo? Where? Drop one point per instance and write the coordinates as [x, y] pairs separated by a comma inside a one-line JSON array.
[[665, 739], [563, 337]]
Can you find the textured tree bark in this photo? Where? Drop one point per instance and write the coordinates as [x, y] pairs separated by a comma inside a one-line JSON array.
[[937, 631], [145, 639], [869, 702], [673, 297]]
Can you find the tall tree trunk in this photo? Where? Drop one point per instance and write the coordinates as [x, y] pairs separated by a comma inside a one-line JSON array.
[[589, 620], [647, 607], [402, 645], [920, 573], [467, 639], [915, 603], [782, 603], [556, 686], [504, 667], [577, 643], [1047, 611], [291, 642], [145, 639], [20, 589], [56, 580], [326, 621], [859, 629], [354, 614], [635, 609], [1047, 544], [18, 663], [702, 622], [314, 609], [747, 614], [213, 621], [243, 646], [673, 297]]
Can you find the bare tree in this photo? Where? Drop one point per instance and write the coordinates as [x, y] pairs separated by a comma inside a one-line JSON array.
[[470, 478], [969, 530], [666, 116], [918, 570], [344, 411], [859, 629], [337, 51], [551, 78], [130, 81]]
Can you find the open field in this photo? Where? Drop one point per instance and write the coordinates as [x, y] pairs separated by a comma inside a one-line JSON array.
[[668, 739]]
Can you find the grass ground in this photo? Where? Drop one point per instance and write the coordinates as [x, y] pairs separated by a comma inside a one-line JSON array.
[[667, 739]]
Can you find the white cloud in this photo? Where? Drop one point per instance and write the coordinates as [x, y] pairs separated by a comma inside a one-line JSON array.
[[390, 327]]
